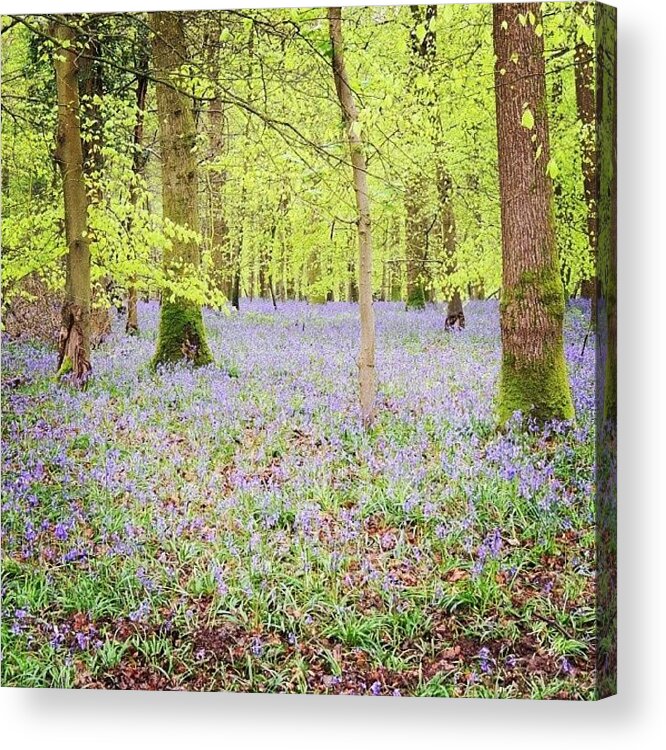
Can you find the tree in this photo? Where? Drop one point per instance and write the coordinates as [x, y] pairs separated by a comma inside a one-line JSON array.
[[606, 117], [181, 332], [534, 376], [139, 158], [584, 68], [74, 341], [366, 361], [419, 223]]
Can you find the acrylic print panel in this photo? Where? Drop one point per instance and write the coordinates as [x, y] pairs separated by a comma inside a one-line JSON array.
[[309, 341]]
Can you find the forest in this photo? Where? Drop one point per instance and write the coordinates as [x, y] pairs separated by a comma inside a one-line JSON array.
[[308, 336]]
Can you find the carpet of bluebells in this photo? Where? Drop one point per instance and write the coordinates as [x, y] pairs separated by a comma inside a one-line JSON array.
[[235, 528]]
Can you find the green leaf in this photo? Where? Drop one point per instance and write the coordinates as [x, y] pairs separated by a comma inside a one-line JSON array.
[[527, 120], [552, 170]]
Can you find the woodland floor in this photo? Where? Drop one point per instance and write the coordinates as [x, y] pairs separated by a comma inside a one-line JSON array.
[[234, 528]]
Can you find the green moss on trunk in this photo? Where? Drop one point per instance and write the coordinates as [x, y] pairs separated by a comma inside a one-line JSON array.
[[65, 368], [540, 390], [182, 337]]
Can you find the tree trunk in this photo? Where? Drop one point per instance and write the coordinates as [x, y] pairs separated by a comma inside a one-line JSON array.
[[74, 341], [366, 361], [455, 317], [221, 255], [181, 333], [534, 377], [584, 70], [606, 114], [415, 243], [138, 165], [418, 223]]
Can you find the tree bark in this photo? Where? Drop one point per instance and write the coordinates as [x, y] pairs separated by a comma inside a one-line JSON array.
[[217, 117], [418, 222], [416, 226], [138, 165], [455, 317], [181, 333], [534, 376], [606, 116], [366, 361], [74, 341]]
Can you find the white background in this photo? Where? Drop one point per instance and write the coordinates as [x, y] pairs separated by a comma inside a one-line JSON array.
[[635, 718]]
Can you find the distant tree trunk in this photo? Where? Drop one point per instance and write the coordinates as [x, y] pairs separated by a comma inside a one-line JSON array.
[[366, 361], [454, 309], [447, 219], [221, 252], [584, 67], [415, 243], [533, 375], [138, 166], [221, 255], [181, 333], [104, 294], [418, 222], [74, 341]]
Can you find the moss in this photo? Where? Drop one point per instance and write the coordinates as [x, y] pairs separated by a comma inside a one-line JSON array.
[[182, 336], [416, 299], [540, 390], [551, 291], [65, 368]]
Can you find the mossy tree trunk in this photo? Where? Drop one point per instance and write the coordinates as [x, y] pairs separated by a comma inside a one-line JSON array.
[[584, 70], [74, 341], [181, 332], [366, 360], [534, 376]]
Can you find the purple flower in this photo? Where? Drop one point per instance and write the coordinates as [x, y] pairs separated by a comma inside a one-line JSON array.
[[376, 688], [141, 613], [485, 660]]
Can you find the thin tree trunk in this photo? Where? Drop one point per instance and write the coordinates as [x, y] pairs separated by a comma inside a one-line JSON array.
[[104, 294], [74, 342], [534, 376], [138, 165], [366, 361], [415, 243], [455, 317], [220, 231], [181, 335], [418, 223]]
